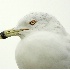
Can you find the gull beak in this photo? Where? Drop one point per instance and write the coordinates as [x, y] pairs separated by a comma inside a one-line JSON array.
[[12, 32]]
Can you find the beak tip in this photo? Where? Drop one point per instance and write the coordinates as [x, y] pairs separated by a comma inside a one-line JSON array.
[[3, 36]]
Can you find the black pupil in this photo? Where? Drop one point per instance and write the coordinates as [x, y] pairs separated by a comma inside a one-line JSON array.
[[32, 22]]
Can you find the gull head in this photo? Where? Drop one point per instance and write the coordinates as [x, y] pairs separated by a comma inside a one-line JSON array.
[[26, 25], [31, 23]]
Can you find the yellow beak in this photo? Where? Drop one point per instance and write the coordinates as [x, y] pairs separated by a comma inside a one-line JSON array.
[[12, 32]]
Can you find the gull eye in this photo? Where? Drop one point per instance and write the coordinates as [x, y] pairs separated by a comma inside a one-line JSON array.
[[32, 22]]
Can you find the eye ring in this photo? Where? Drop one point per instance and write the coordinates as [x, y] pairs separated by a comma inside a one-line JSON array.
[[32, 22]]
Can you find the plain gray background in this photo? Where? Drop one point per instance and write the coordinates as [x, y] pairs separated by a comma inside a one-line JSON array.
[[11, 11]]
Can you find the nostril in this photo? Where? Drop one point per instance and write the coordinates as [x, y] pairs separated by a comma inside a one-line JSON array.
[[8, 31]]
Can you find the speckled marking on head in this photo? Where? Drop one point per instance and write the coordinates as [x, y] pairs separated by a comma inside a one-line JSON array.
[[44, 22]]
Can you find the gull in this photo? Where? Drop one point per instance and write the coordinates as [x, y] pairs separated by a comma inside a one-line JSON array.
[[44, 44]]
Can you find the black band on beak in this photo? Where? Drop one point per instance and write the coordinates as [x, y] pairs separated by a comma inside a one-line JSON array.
[[3, 35]]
